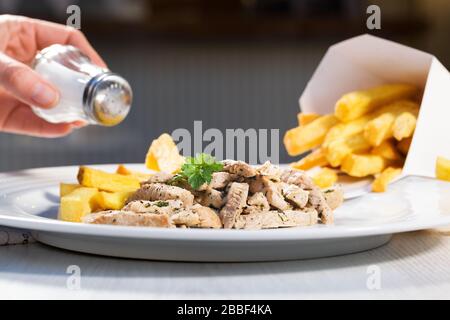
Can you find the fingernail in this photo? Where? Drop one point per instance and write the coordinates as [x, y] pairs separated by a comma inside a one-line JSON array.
[[44, 95]]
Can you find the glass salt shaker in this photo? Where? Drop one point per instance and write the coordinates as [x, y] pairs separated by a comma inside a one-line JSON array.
[[87, 92]]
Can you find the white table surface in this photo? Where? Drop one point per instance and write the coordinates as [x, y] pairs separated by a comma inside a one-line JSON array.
[[413, 265]]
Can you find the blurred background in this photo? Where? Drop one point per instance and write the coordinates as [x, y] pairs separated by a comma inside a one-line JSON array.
[[230, 63]]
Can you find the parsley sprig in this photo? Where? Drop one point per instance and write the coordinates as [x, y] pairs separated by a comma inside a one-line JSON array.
[[198, 170]]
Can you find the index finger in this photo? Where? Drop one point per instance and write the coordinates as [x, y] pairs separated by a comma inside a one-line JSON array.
[[48, 33]]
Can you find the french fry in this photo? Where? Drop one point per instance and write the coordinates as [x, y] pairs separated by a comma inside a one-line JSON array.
[[314, 159], [163, 155], [77, 204], [346, 129], [355, 104], [387, 150], [325, 178], [66, 188], [384, 178], [121, 169], [363, 165], [337, 150], [113, 200], [381, 127], [443, 169], [305, 118], [105, 181], [403, 145], [304, 138], [404, 125]]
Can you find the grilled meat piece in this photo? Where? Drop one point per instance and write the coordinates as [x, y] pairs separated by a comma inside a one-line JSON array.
[[295, 194], [158, 206], [219, 180], [239, 167], [159, 191], [334, 197], [256, 203], [185, 217], [235, 202], [258, 199], [208, 218], [129, 218], [256, 184], [274, 196], [159, 177], [316, 197], [275, 219], [210, 197], [270, 171]]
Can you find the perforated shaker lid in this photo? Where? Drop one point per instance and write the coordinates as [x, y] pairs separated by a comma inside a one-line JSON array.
[[108, 98]]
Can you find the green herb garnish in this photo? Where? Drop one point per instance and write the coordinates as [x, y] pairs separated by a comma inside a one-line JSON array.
[[198, 170], [161, 204]]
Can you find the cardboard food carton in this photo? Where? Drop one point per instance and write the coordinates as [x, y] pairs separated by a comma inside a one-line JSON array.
[[367, 61]]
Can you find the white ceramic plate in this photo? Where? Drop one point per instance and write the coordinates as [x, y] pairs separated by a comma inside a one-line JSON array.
[[29, 200]]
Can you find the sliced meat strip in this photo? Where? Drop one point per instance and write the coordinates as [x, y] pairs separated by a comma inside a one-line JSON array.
[[129, 218], [316, 196], [275, 219], [210, 197], [159, 177], [235, 202], [207, 216], [334, 197], [275, 197], [295, 194], [158, 191], [270, 171], [239, 167], [159, 206]]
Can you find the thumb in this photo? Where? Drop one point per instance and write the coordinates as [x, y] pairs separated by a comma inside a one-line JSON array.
[[25, 84]]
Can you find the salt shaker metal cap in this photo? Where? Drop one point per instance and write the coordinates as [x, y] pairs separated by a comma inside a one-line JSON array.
[[107, 98], [88, 92]]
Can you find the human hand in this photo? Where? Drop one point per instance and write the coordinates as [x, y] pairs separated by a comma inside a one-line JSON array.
[[20, 86]]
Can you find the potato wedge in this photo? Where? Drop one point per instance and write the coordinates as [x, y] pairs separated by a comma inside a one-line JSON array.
[[305, 118], [141, 176], [363, 165], [105, 181], [443, 169], [337, 150], [301, 139], [163, 155], [387, 150], [78, 203], [314, 159], [113, 200], [384, 178], [355, 104], [66, 188], [404, 125], [325, 178], [403, 145], [381, 127]]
